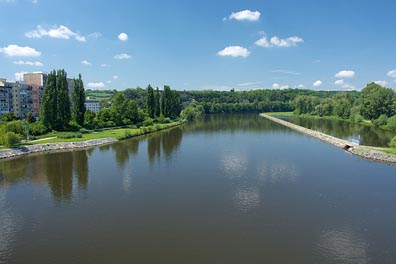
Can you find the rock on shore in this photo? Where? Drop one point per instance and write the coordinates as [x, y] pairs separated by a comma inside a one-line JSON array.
[[17, 152]]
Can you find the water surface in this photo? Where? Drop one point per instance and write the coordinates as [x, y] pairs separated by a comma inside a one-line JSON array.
[[231, 189]]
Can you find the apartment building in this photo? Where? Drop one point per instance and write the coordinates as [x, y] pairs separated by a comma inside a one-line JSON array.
[[92, 105], [6, 103]]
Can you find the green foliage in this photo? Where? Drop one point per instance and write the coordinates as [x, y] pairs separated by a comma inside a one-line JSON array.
[[73, 126], [17, 127], [381, 121], [68, 135], [30, 118], [392, 144], [55, 107], [391, 123], [9, 139], [377, 100], [37, 128], [193, 111], [148, 122], [89, 119], [163, 120], [342, 108], [8, 117], [79, 101], [150, 102]]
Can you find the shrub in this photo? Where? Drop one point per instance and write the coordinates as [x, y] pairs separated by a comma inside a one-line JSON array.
[[73, 126], [391, 124], [68, 135], [37, 128], [148, 122], [9, 139], [356, 118], [381, 121], [392, 144]]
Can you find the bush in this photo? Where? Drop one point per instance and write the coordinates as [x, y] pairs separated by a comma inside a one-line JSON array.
[[9, 139], [163, 120], [73, 126], [391, 124], [392, 144], [356, 118], [381, 121], [37, 129], [17, 127], [127, 134], [68, 135], [148, 122]]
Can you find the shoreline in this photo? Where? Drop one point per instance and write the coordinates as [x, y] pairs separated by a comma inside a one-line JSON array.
[[18, 152], [13, 153], [367, 152]]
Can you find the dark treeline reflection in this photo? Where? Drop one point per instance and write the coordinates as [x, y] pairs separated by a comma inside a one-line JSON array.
[[231, 123], [370, 136], [58, 170], [165, 142], [123, 150]]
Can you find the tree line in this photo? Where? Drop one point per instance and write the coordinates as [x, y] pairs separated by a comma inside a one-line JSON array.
[[374, 103]]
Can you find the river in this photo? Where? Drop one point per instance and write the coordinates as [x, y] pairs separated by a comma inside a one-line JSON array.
[[230, 189]]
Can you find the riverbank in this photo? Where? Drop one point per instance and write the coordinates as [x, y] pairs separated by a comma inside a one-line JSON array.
[[371, 153], [88, 140]]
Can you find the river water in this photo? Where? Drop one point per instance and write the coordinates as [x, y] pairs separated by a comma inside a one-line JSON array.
[[231, 189]]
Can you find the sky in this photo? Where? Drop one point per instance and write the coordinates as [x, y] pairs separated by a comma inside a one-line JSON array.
[[206, 44]]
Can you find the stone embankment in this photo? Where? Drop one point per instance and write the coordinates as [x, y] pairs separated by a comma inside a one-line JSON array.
[[53, 147], [371, 153]]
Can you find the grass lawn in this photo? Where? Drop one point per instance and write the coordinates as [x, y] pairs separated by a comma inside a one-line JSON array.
[[119, 133]]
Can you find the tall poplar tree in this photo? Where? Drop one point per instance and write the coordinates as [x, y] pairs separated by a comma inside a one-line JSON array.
[[150, 102], [157, 101], [64, 113], [79, 101], [49, 107], [55, 107]]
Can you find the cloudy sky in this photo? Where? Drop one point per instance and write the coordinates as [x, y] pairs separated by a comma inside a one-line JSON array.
[[222, 44]]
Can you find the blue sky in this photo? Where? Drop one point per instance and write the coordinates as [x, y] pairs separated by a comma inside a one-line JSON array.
[[329, 45]]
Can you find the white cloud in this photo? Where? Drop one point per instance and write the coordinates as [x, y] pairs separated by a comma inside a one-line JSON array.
[[245, 15], [94, 35], [122, 56], [392, 74], [263, 42], [278, 42], [115, 77], [317, 83], [300, 86], [85, 62], [96, 85], [234, 51], [109, 81], [286, 72], [35, 2], [344, 85], [345, 74], [382, 83], [17, 51], [217, 87], [123, 37], [30, 63], [18, 76], [248, 84], [278, 86], [104, 65], [61, 32]]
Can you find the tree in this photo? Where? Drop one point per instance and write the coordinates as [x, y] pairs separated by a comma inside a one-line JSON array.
[[150, 102], [64, 114], [79, 108], [377, 100], [55, 108], [157, 103], [49, 107]]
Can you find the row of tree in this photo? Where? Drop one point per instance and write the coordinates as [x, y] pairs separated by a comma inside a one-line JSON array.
[[374, 103], [56, 112], [167, 104]]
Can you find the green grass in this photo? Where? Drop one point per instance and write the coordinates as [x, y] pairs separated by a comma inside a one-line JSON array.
[[119, 133], [280, 113]]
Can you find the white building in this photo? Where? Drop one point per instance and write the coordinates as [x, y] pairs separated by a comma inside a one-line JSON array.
[[92, 105]]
